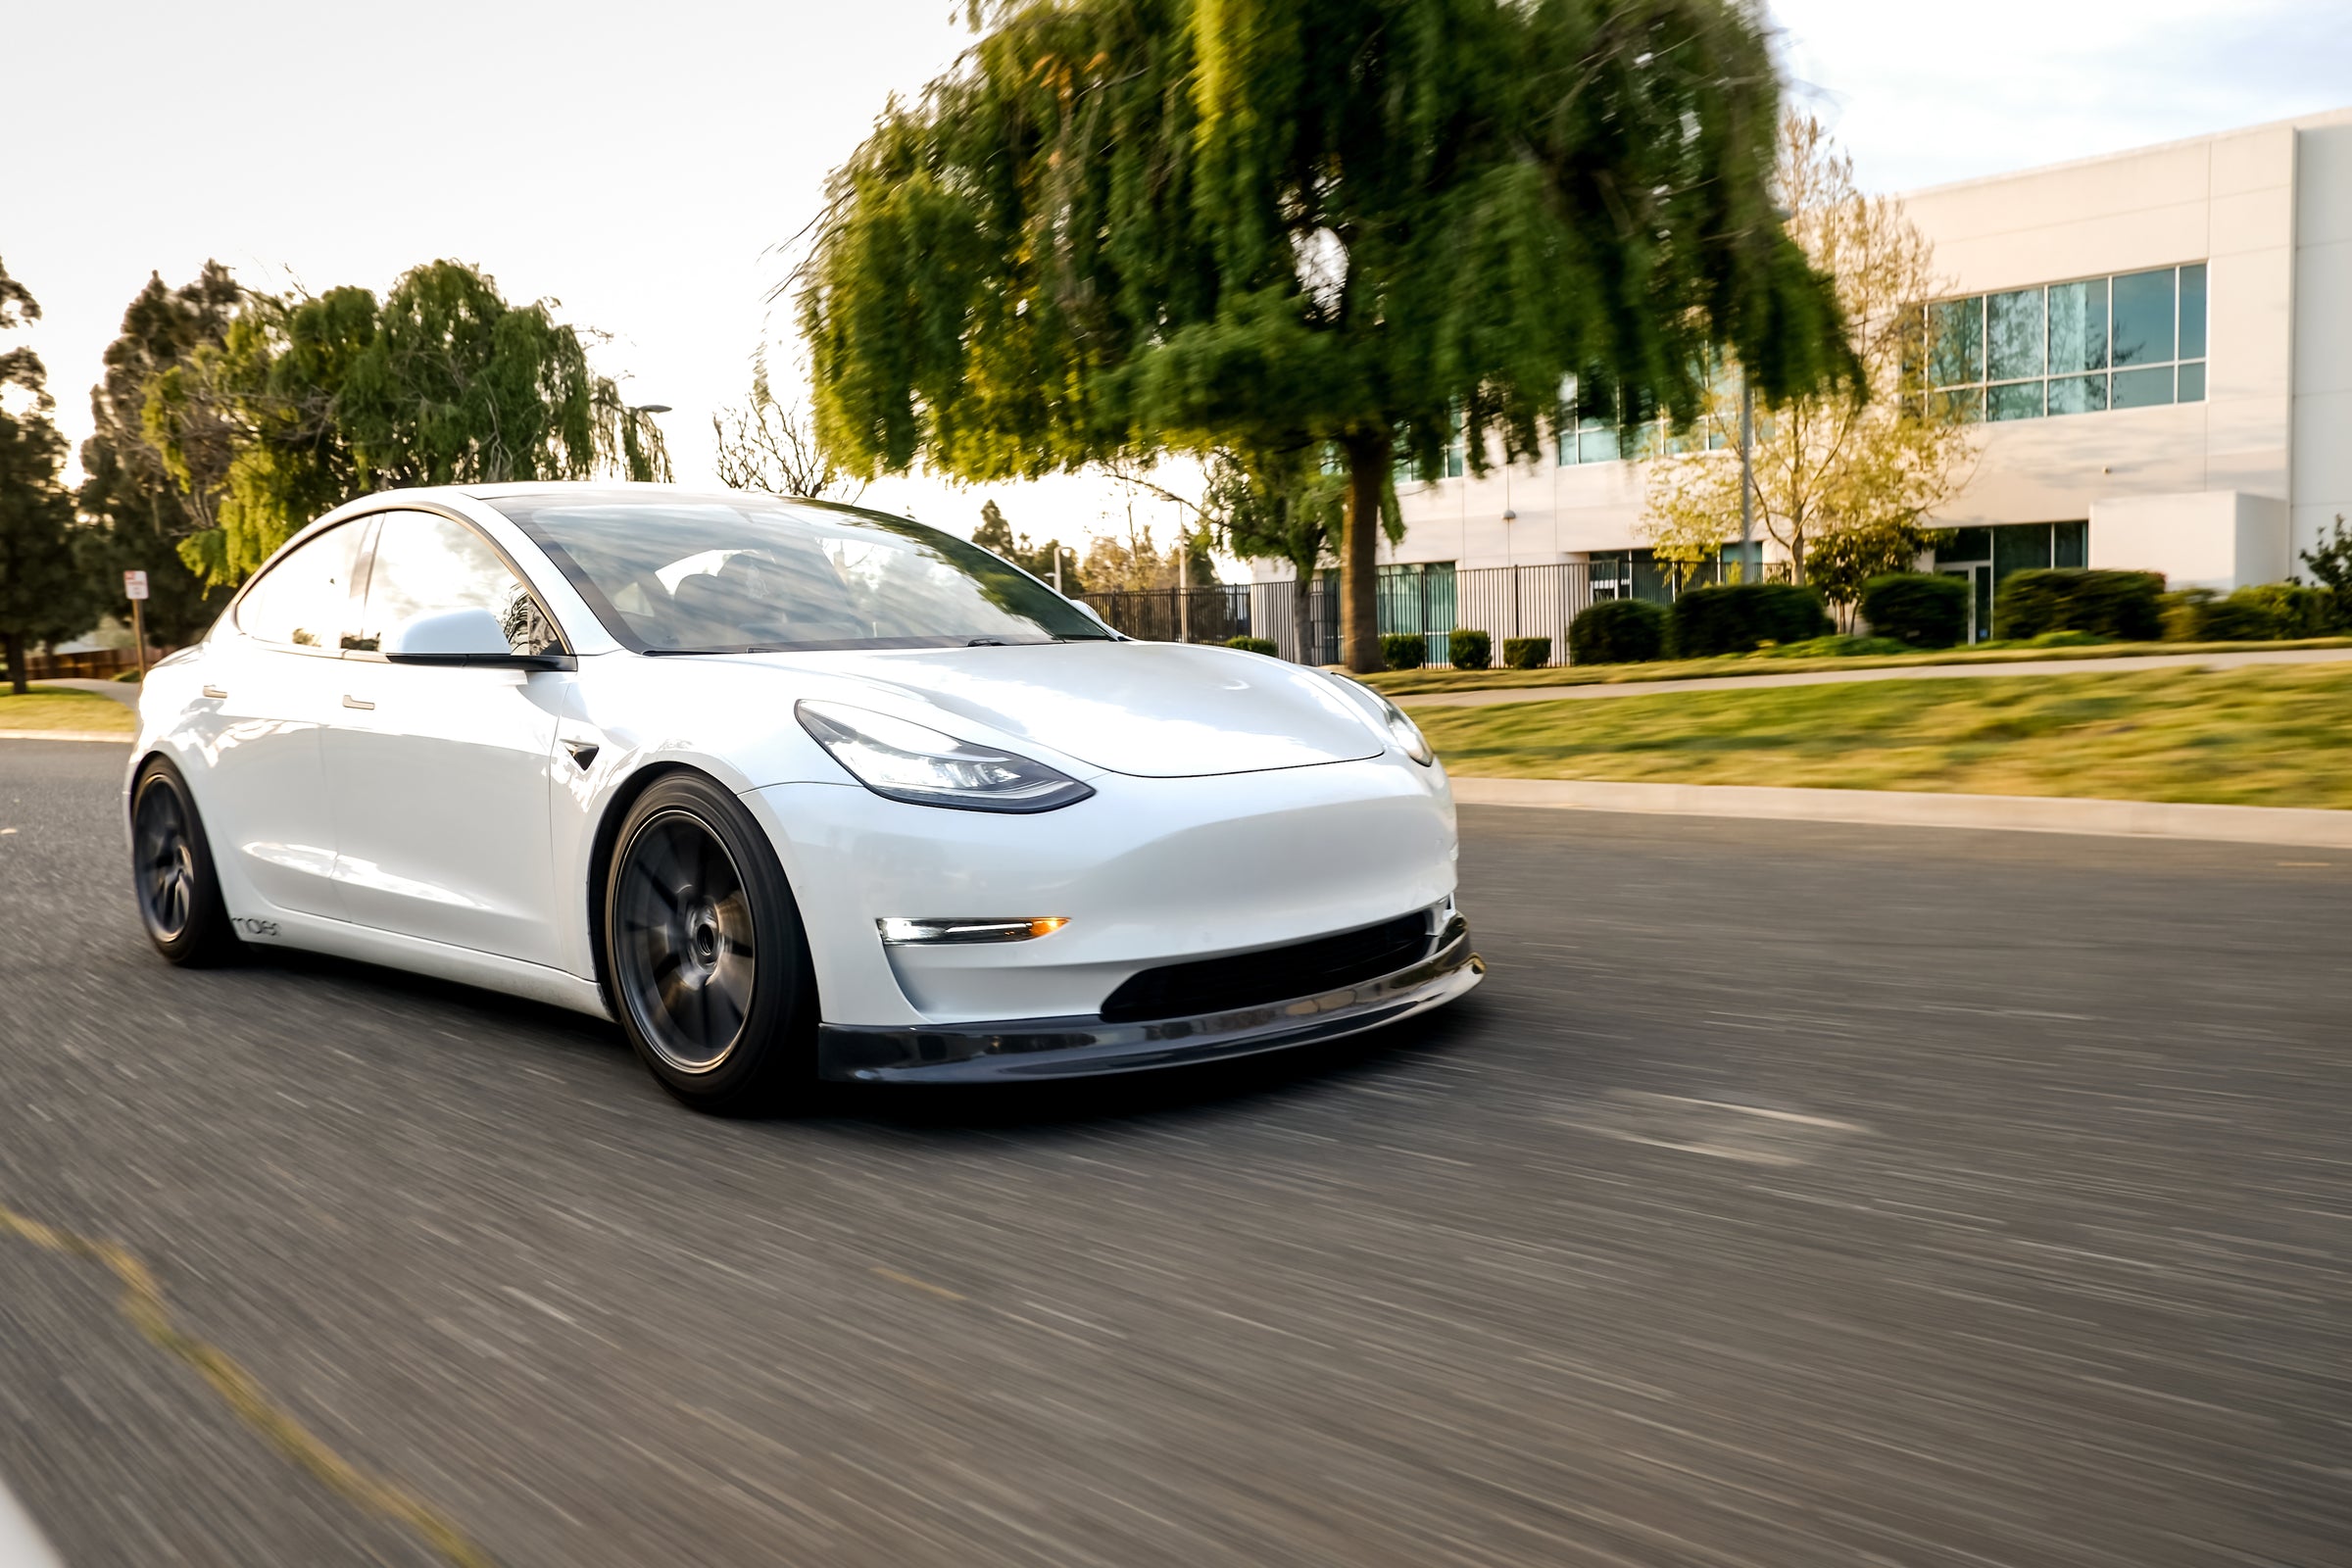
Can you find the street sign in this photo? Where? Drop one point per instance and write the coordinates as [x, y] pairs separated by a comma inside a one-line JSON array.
[[134, 584]]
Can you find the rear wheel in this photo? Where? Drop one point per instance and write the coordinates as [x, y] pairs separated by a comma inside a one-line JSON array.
[[704, 954], [171, 870]]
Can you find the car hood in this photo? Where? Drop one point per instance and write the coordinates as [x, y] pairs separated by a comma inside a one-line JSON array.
[[1155, 709]]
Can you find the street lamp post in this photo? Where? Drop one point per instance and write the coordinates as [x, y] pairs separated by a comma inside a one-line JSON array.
[[1747, 475]]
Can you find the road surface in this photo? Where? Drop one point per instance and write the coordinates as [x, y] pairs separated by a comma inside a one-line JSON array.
[[1791, 1195]]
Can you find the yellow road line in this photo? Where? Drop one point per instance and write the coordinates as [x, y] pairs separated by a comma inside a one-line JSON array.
[[143, 1304], [939, 1290]]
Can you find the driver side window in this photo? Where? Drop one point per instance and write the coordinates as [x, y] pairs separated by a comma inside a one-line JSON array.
[[305, 600], [426, 564]]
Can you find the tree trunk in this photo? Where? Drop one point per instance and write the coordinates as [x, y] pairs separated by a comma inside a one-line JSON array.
[[1360, 564], [1302, 614], [15, 663]]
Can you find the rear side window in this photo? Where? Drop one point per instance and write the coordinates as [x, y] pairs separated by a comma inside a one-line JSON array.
[[426, 564], [304, 600]]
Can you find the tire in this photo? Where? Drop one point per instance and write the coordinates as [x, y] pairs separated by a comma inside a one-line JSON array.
[[706, 964], [172, 879]]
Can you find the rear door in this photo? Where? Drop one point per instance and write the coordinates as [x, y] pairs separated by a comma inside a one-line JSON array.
[[271, 689], [440, 773]]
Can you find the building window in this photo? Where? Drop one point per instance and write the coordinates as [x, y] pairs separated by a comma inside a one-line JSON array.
[[1983, 556], [1417, 596], [2131, 340]]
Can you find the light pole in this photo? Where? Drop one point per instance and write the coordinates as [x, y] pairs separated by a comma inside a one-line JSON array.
[[1747, 474]]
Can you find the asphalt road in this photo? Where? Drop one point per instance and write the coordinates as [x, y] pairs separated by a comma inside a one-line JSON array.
[[1790, 1195]]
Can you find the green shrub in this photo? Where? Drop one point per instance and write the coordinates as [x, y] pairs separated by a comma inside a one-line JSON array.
[[1742, 617], [1470, 650], [1526, 653], [1836, 647], [1404, 650], [1917, 608], [1252, 645], [1618, 632], [2270, 611], [2126, 606]]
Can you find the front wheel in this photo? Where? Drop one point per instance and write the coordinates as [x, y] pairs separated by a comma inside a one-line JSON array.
[[704, 951], [172, 871]]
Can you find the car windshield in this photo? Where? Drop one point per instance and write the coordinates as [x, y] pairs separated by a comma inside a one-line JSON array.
[[749, 574]]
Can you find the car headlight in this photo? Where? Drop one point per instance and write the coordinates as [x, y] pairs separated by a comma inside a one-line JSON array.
[[1405, 732], [1387, 718], [903, 761]]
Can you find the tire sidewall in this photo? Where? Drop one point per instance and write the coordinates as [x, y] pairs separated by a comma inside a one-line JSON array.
[[773, 1066], [207, 937]]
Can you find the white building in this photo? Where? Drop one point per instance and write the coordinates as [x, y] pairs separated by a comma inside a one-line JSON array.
[[2166, 373]]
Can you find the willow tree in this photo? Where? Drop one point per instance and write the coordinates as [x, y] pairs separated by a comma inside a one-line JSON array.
[[307, 402], [1118, 227]]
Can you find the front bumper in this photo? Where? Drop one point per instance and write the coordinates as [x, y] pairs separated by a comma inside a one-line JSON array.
[[1030, 1048]]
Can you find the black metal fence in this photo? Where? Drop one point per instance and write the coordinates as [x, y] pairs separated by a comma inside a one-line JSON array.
[[1503, 602], [1176, 614]]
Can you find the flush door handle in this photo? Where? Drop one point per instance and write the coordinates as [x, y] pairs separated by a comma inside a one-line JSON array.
[[360, 703]]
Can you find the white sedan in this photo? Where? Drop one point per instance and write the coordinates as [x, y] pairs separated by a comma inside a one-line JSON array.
[[791, 791]]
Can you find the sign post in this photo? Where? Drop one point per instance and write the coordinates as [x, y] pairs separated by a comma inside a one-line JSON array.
[[135, 586]]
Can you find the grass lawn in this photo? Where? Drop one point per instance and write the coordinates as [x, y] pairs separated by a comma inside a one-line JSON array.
[[56, 707], [2265, 735], [1405, 682]]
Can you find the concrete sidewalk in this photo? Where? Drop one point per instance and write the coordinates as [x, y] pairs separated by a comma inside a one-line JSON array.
[[1840, 677], [2029, 814], [125, 692]]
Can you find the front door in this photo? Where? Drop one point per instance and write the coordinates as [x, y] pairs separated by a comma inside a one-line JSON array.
[[271, 686], [441, 773], [1978, 577]]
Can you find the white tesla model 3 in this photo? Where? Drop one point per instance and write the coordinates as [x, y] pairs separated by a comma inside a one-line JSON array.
[[793, 791]]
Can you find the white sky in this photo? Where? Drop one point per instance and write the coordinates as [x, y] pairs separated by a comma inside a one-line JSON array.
[[636, 162]]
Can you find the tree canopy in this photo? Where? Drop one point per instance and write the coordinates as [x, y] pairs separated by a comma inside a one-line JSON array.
[[45, 591], [139, 511], [309, 401], [1118, 226], [996, 536]]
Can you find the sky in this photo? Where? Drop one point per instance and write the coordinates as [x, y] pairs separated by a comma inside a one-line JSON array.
[[641, 163]]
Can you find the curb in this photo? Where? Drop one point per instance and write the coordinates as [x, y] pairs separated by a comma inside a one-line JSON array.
[[120, 737], [20, 1544], [2016, 813]]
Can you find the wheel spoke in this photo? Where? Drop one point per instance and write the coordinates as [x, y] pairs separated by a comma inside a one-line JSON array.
[[683, 945]]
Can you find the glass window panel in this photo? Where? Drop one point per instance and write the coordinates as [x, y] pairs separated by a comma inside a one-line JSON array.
[[2077, 330], [2144, 388], [1967, 402], [305, 600], [429, 565], [2143, 320], [2013, 334], [2020, 547], [1966, 545], [2078, 394], [2069, 544], [1596, 442], [1640, 441], [2193, 382], [2019, 400], [1957, 347], [2192, 313]]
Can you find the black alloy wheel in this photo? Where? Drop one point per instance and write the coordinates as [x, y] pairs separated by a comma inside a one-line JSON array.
[[171, 870], [703, 952]]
